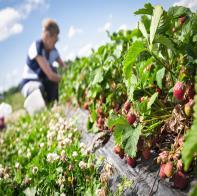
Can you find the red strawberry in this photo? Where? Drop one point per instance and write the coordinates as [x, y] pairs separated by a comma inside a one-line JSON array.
[[131, 118], [146, 153], [182, 20], [168, 169], [127, 106], [86, 105], [121, 153], [117, 149], [179, 165], [100, 120], [103, 99], [180, 180], [131, 161], [99, 111], [161, 172], [179, 90], [117, 108], [142, 99], [159, 91]]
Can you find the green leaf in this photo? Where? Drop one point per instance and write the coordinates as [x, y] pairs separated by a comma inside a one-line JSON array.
[[165, 41], [114, 120], [119, 122], [157, 13], [177, 11], [98, 77], [148, 9], [134, 51], [152, 100], [190, 145], [194, 190], [130, 139], [125, 134], [195, 38], [143, 30], [159, 76]]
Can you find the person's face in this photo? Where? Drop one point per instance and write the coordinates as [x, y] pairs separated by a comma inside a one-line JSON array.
[[51, 41]]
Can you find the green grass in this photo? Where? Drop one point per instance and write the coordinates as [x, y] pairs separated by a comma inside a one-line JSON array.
[[16, 100]]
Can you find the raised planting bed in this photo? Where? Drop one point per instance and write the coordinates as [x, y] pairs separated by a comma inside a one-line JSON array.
[[144, 176]]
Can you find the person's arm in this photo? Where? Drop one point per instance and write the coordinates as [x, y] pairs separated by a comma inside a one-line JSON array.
[[47, 69], [61, 63]]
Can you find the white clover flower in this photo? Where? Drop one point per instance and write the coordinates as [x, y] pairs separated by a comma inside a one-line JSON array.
[[20, 152], [84, 152], [62, 194], [61, 120], [1, 141], [17, 165], [51, 134], [63, 154], [70, 135], [41, 145], [62, 127], [67, 141], [60, 135], [75, 154], [82, 165], [6, 176], [61, 180], [35, 170], [82, 145], [51, 157], [28, 154], [61, 145], [57, 115]]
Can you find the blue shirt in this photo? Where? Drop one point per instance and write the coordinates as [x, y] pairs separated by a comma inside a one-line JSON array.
[[32, 70]]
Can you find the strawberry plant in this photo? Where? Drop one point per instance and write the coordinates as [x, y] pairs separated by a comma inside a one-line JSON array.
[[140, 86]]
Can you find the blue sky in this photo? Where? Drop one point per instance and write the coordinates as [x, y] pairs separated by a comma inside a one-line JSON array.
[[82, 23]]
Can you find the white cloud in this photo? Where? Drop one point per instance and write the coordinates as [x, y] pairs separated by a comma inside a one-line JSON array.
[[11, 18], [123, 27], [73, 31], [13, 74], [192, 4], [9, 23], [70, 56], [85, 50], [106, 27], [29, 5]]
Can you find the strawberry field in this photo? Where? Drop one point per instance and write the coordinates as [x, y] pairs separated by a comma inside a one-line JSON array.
[[138, 89]]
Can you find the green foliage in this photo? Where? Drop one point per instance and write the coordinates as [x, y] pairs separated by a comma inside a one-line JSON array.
[[148, 9], [125, 134], [39, 151], [159, 76], [15, 99], [157, 13], [190, 145]]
